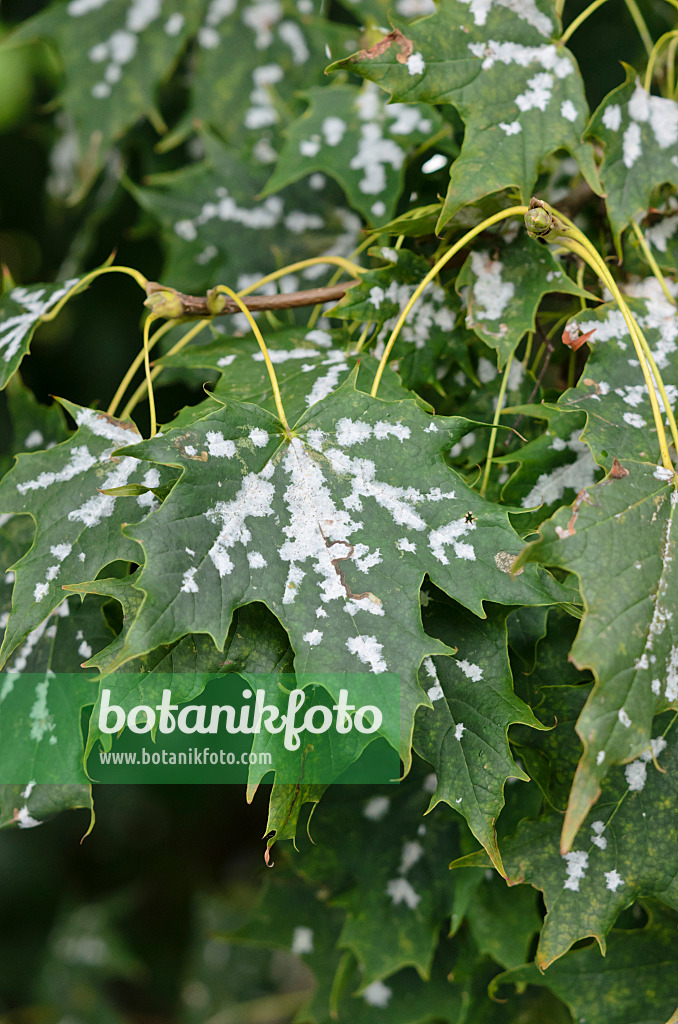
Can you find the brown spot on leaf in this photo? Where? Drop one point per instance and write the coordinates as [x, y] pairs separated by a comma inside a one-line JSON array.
[[573, 340], [396, 36], [618, 472]]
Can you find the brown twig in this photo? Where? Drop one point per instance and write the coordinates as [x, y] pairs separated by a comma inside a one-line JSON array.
[[197, 305]]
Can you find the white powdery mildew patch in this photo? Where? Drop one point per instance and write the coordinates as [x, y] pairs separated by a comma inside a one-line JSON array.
[[449, 535], [538, 93], [660, 234], [258, 437], [623, 717], [434, 692], [401, 891], [283, 355], [102, 426], [527, 10], [302, 940], [93, 511], [471, 671], [491, 294], [660, 114], [429, 313], [333, 129], [148, 501], [24, 818], [416, 64], [413, 851], [14, 329], [375, 153], [368, 650], [550, 487], [660, 316], [224, 208], [459, 731], [324, 385], [313, 638], [21, 660], [292, 36], [597, 837], [121, 46], [253, 499], [511, 127], [378, 995], [493, 52], [188, 584], [263, 113], [568, 111], [613, 880], [41, 720], [631, 145], [256, 560], [310, 503], [60, 552], [217, 446], [33, 440], [612, 117], [405, 545], [634, 419], [576, 862], [376, 808]]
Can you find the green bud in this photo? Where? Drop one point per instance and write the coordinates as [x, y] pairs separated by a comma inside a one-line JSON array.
[[164, 301], [538, 222], [216, 301]]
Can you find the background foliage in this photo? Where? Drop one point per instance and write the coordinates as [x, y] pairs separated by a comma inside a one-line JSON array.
[[527, 606]]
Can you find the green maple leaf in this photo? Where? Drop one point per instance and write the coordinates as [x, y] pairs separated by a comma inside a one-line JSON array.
[[27, 806], [627, 853], [553, 467], [327, 517], [502, 300], [77, 527], [32, 424], [611, 389], [22, 309], [503, 920], [633, 984], [464, 734], [42, 695], [250, 65], [640, 133], [519, 96], [627, 637], [352, 135]]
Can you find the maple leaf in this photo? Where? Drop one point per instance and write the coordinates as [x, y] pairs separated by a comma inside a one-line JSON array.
[[329, 530]]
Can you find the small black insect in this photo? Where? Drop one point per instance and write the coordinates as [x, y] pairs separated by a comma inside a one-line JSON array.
[[469, 518]]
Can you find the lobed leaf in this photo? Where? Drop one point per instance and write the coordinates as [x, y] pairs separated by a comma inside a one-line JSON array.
[[520, 97]]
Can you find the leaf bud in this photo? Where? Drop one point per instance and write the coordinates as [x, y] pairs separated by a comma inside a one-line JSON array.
[[164, 301], [216, 301]]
